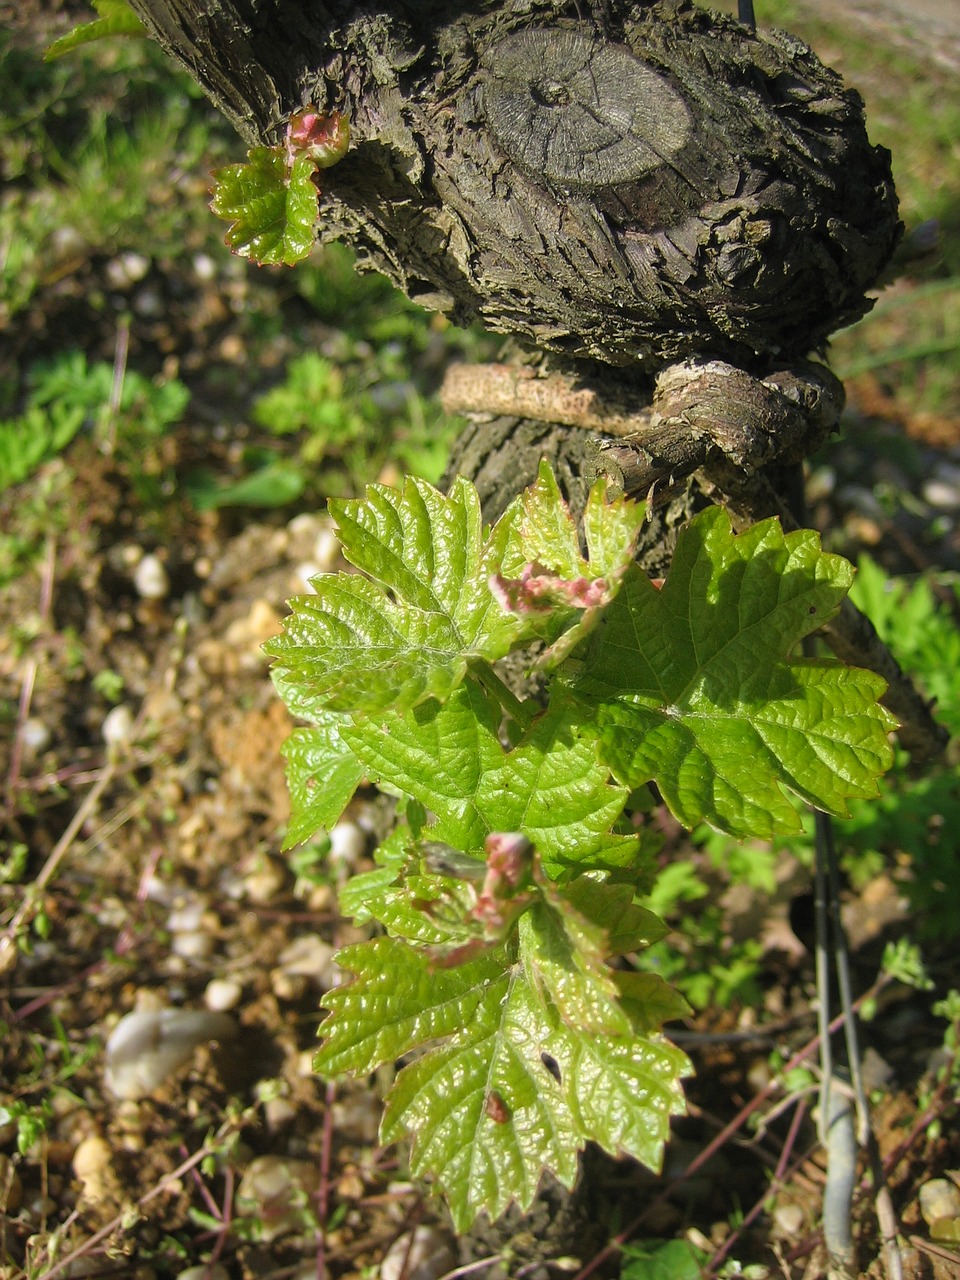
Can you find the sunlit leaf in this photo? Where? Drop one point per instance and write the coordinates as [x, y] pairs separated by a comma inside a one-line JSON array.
[[271, 204]]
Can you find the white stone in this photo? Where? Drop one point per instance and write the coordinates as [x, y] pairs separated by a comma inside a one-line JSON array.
[[304, 575], [939, 1199], [186, 917], [118, 725], [277, 1192], [326, 549], [127, 269], [942, 494], [263, 884], [151, 578], [36, 735], [146, 1047], [309, 956], [192, 946], [222, 994], [204, 267], [426, 1256], [347, 844]]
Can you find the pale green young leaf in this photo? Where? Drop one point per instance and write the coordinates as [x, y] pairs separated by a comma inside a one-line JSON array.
[[552, 786], [611, 527], [398, 1000], [322, 775], [359, 898], [627, 926], [406, 632], [564, 960], [116, 19], [485, 1114], [271, 204], [437, 753], [546, 579], [548, 532], [649, 1000], [485, 1107], [432, 911], [622, 1090], [695, 689]]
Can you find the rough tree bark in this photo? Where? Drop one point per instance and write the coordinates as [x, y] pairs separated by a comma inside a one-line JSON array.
[[617, 185], [628, 182]]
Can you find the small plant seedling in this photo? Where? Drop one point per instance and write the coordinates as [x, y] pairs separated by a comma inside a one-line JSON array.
[[509, 890], [115, 18], [271, 200]]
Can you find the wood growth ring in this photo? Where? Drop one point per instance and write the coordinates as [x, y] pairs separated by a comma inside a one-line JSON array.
[[580, 113]]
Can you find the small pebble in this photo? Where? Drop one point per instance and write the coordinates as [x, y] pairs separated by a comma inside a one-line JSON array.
[[222, 994], [942, 495], [820, 484], [204, 267], [126, 270], [310, 957], [357, 1117], [939, 1199], [265, 882], [149, 304], [276, 1191], [304, 574], [118, 725], [186, 916], [424, 1256], [36, 736], [192, 946], [208, 1272], [93, 1167], [347, 844], [287, 986], [66, 241], [151, 578], [326, 550], [146, 1047], [277, 1113], [789, 1219]]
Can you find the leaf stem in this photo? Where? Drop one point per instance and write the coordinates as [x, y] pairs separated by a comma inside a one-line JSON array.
[[522, 712]]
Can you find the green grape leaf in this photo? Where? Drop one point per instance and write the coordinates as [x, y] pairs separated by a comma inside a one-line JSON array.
[[510, 1090], [627, 926], [545, 578], [116, 19], [694, 689], [322, 775], [360, 897], [649, 1000], [551, 786], [271, 202], [564, 959], [407, 631]]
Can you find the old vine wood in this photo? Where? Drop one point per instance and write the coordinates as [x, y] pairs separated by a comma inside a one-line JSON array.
[[630, 183]]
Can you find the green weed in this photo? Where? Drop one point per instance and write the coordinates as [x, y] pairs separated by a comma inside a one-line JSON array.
[[96, 154]]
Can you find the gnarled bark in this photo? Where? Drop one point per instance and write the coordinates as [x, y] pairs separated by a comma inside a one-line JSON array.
[[635, 183]]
